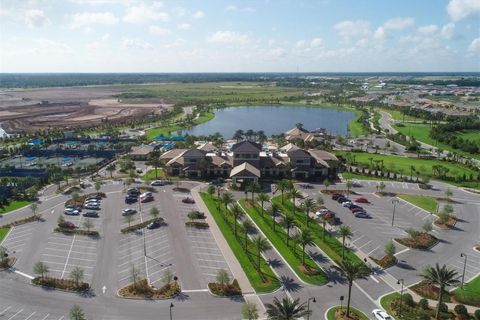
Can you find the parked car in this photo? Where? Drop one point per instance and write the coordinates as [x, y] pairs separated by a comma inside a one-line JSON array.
[[95, 197], [78, 208], [361, 214], [335, 196], [381, 315], [71, 212], [133, 191], [92, 206], [335, 221], [130, 199], [96, 202], [146, 199], [356, 208], [128, 211], [306, 186], [157, 183], [361, 200], [67, 225], [188, 200], [347, 204], [91, 214], [321, 212], [342, 200], [154, 225]]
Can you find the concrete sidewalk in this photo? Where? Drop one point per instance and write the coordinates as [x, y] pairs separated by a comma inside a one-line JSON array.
[[235, 267]]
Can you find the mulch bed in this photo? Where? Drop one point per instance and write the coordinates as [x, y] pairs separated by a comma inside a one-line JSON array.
[[341, 315], [145, 291], [7, 263], [232, 289], [385, 261], [63, 284], [422, 241], [452, 220]]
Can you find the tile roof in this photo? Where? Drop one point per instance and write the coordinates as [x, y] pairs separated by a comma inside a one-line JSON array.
[[250, 170]]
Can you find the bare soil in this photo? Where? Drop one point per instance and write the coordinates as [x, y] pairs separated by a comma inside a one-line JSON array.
[[71, 107]]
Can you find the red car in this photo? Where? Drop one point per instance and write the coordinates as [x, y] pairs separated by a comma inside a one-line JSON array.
[[357, 210], [361, 200]]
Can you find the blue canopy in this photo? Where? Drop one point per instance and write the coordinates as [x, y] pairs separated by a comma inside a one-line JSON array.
[[35, 142], [31, 158], [67, 159], [71, 143], [169, 138]]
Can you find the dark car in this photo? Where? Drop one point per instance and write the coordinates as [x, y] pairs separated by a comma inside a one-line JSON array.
[[67, 225], [357, 210], [188, 200], [91, 214], [130, 199], [361, 200], [154, 225], [335, 196], [354, 207], [94, 197], [134, 191], [146, 199], [342, 200]]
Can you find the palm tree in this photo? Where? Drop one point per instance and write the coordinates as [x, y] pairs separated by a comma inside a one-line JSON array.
[[110, 168], [288, 222], [223, 278], [254, 187], [349, 186], [346, 233], [273, 211], [41, 269], [326, 183], [237, 212], [250, 311], [34, 208], [295, 194], [247, 226], [441, 277], [154, 212], [262, 245], [304, 238], [76, 313], [262, 198], [282, 185], [155, 162], [226, 199], [308, 205], [352, 271], [77, 275], [286, 309], [88, 224]]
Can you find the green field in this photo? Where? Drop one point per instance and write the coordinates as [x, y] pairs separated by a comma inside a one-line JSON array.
[[14, 205], [167, 131], [427, 203], [403, 165], [266, 283], [150, 175], [421, 132], [292, 253], [331, 313], [470, 292], [472, 135], [386, 300], [356, 128], [397, 115], [328, 244], [3, 233]]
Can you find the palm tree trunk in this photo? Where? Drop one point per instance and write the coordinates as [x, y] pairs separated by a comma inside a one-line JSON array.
[[262, 209], [235, 227], [303, 255], [343, 248], [440, 296], [348, 298], [288, 235], [306, 218]]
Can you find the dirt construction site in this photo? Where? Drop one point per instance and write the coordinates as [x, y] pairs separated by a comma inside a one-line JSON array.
[[71, 107]]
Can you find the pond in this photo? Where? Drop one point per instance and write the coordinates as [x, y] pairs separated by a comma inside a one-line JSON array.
[[273, 120]]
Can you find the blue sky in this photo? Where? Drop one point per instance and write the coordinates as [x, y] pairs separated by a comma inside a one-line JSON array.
[[239, 36]]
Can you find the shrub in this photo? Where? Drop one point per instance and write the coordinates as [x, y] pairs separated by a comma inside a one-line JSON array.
[[64, 284], [476, 314], [460, 309], [412, 232], [443, 217], [141, 225], [408, 300], [423, 304], [443, 307], [197, 224]]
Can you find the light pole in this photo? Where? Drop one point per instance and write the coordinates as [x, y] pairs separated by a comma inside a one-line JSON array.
[[400, 281], [341, 303], [308, 306], [171, 306], [463, 255], [394, 202]]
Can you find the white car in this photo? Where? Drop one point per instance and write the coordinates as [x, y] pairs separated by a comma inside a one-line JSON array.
[[71, 212], [322, 212], [146, 195], [346, 203], [157, 183], [381, 315]]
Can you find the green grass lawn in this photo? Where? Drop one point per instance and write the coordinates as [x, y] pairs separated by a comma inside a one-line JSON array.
[[292, 253], [167, 131], [356, 128], [400, 164], [331, 313], [386, 300], [421, 132], [150, 175], [470, 292], [472, 135], [3, 233], [330, 245], [397, 115], [269, 281], [427, 203], [14, 205]]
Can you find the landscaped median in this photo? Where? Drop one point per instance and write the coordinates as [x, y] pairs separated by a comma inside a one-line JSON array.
[[13, 205], [3, 233], [328, 244], [62, 284], [427, 203], [263, 281], [142, 225], [291, 255], [339, 313]]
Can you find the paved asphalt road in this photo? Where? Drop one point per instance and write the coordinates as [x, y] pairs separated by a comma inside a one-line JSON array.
[[20, 300]]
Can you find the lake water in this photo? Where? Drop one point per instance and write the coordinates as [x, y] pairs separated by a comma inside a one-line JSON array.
[[273, 120]]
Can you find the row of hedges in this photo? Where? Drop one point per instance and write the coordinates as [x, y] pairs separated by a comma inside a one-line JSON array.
[[421, 241], [142, 289], [64, 284], [82, 232], [197, 224], [141, 225], [37, 217], [227, 290]]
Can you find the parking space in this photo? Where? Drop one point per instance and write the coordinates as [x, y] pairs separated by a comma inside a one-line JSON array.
[[148, 250], [62, 253], [17, 238], [20, 312], [208, 256], [388, 184]]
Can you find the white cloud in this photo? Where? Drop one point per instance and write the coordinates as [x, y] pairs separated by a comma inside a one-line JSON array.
[[94, 2], [136, 44], [159, 31], [379, 33], [428, 29], [179, 11], [474, 47], [143, 14], [198, 15], [228, 37], [461, 9], [183, 26], [275, 53], [300, 44], [399, 23], [448, 30], [177, 43], [36, 18], [105, 37], [235, 8], [231, 8], [348, 28], [316, 42], [88, 19]]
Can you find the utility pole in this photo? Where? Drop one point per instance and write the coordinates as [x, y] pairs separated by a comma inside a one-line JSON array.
[[394, 202]]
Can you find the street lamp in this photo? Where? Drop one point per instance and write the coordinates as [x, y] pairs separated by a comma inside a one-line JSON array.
[[341, 303], [308, 306], [400, 281], [171, 306], [394, 202], [463, 255]]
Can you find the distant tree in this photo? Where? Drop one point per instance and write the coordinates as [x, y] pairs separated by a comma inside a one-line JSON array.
[[261, 244], [134, 275], [346, 233], [349, 185], [390, 249], [76, 313], [41, 269], [427, 226], [77, 274], [154, 212], [308, 205], [222, 278], [294, 194], [34, 208], [98, 186], [250, 311], [326, 184], [288, 222], [167, 276], [262, 198], [273, 211], [237, 212], [211, 190], [247, 227], [448, 193], [227, 199], [282, 186], [286, 309], [110, 168], [88, 224], [129, 219], [304, 238]]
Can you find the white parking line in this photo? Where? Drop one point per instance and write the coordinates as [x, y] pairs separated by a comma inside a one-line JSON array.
[[68, 256], [45, 317], [15, 314], [30, 316], [3, 312], [365, 244]]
